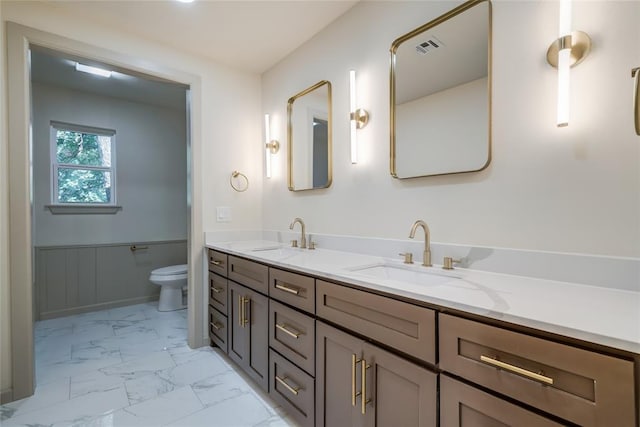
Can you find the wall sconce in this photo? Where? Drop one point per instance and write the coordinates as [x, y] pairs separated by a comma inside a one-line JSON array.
[[568, 50], [358, 116], [271, 145]]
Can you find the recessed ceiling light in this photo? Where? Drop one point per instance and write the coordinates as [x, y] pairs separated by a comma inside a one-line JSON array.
[[92, 70], [185, 1]]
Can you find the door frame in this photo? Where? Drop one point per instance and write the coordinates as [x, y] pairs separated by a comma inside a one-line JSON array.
[[21, 279]]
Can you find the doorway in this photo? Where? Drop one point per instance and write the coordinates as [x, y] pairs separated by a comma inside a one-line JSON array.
[[19, 41]]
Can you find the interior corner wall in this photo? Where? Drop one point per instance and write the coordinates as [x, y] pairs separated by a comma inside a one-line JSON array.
[[151, 169], [5, 307], [573, 189]]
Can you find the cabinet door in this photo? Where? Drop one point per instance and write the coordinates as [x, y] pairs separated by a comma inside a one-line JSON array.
[[257, 324], [248, 332], [462, 405], [399, 393], [337, 402], [238, 345]]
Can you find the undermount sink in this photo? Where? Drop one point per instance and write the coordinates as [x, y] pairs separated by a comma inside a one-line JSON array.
[[404, 273]]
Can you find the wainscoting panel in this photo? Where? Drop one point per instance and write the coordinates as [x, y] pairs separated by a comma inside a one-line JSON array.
[[76, 279]]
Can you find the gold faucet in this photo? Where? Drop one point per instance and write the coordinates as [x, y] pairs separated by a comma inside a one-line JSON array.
[[303, 240], [426, 258]]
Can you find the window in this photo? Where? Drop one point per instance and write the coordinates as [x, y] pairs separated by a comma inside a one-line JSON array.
[[82, 165]]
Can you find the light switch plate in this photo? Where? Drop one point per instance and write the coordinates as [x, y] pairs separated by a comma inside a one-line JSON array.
[[223, 214]]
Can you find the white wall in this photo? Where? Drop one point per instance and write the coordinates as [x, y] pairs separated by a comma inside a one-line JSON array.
[[5, 308], [151, 169], [575, 189]]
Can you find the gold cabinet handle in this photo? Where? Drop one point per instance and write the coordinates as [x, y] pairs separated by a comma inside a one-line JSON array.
[[283, 327], [283, 381], [354, 394], [516, 369], [217, 326], [363, 398], [216, 262], [241, 311], [216, 290], [287, 289], [245, 319], [635, 74]]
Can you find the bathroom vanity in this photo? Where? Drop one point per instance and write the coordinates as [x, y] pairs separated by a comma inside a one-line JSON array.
[[339, 338]]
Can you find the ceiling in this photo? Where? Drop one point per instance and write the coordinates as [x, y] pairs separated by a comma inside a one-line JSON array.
[[246, 34], [58, 69]]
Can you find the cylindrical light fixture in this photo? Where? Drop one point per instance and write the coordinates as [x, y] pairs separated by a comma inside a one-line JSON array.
[[568, 50], [358, 117], [271, 145]]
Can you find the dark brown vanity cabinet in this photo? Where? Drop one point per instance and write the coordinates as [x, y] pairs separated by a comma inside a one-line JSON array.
[[335, 355], [360, 384], [248, 334]]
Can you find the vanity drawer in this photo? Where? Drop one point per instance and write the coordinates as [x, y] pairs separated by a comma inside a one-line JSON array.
[[218, 262], [249, 273], [292, 388], [218, 328], [584, 387], [293, 334], [218, 292], [405, 327], [294, 289], [462, 405]]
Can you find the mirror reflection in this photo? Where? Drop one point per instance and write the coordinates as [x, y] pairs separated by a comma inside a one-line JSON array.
[[309, 134], [440, 95]]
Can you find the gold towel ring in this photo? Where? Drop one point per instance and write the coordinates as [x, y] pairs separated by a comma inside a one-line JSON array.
[[241, 186]]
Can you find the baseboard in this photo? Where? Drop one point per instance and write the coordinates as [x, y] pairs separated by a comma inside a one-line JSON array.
[[6, 396], [96, 307]]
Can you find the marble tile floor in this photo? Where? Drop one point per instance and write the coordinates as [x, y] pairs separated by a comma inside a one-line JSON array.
[[131, 366]]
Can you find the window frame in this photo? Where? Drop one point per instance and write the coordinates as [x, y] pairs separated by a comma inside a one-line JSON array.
[[83, 207]]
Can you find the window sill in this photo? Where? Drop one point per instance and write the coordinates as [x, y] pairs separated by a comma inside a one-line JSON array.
[[82, 209]]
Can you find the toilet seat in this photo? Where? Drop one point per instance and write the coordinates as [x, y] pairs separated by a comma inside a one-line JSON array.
[[170, 270]]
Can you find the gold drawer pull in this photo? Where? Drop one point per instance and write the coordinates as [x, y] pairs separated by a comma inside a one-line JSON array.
[[354, 394], [363, 398], [283, 381], [508, 367], [217, 326], [288, 331], [216, 290], [288, 289], [215, 262]]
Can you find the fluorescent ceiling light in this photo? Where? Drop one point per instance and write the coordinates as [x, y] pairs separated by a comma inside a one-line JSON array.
[[92, 70]]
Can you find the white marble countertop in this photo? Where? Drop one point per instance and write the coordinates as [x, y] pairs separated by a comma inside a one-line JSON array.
[[605, 316]]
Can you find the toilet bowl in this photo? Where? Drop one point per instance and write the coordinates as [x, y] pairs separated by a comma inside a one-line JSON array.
[[172, 280]]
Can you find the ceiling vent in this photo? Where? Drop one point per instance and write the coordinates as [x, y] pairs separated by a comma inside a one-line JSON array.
[[429, 45]]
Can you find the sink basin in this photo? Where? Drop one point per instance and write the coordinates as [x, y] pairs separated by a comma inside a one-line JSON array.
[[276, 251], [402, 273]]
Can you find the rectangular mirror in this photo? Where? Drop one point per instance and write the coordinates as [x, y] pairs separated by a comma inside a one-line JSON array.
[[309, 134], [441, 95]]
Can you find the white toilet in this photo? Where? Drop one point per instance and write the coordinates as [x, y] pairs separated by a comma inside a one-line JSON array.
[[172, 280]]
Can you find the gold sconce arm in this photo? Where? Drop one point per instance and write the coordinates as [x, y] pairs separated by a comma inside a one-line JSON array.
[[273, 146], [635, 74], [361, 117]]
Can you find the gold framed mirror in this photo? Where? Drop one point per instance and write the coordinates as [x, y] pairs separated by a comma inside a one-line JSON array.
[[441, 95], [309, 138]]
